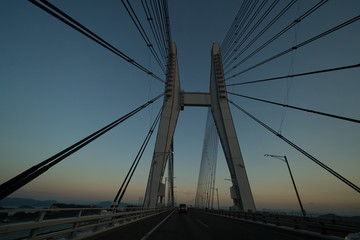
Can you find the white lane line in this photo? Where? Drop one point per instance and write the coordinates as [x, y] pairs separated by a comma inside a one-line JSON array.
[[202, 223], [152, 230]]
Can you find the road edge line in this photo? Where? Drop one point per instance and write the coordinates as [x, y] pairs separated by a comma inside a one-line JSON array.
[[152, 230]]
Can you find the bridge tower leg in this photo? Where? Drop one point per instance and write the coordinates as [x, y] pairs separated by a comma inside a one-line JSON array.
[[240, 190], [155, 190]]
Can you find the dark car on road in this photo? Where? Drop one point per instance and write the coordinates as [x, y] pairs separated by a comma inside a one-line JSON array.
[[182, 208]]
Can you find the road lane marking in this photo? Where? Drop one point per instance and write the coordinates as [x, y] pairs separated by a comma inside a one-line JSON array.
[[152, 230], [201, 223]]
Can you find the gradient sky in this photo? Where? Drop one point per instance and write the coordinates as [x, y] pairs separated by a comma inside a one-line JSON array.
[[57, 86]]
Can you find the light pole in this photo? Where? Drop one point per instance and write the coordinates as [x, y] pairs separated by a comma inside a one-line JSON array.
[[217, 194], [284, 159]]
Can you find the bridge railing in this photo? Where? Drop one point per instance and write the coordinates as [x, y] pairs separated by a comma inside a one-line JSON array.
[[333, 227], [69, 223]]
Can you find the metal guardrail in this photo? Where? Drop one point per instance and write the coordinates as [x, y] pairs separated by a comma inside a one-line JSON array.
[[332, 227], [69, 223]]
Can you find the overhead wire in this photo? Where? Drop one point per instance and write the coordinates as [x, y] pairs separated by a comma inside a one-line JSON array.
[[319, 36], [318, 162], [25, 177], [295, 75], [57, 13]]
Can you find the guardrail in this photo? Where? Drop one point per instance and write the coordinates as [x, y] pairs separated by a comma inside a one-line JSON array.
[[333, 227], [69, 223]]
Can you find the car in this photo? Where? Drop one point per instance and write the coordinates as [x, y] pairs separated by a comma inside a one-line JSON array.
[[182, 208]]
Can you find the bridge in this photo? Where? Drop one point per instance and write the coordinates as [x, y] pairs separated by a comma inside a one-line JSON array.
[[279, 48]]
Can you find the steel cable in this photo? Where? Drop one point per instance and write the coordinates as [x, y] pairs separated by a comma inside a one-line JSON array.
[[283, 31], [80, 28], [25, 177], [337, 175], [143, 34], [265, 14], [299, 45], [153, 29], [296, 75], [298, 108], [241, 28], [235, 24], [272, 22], [135, 163]]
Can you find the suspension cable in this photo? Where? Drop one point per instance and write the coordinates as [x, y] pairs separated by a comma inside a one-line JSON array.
[[299, 45], [241, 28], [267, 11], [238, 20], [233, 26], [272, 22], [298, 108], [159, 25], [49, 8], [233, 47], [167, 23], [283, 31], [337, 175], [142, 32], [132, 169], [25, 177], [136, 161], [153, 29], [296, 75]]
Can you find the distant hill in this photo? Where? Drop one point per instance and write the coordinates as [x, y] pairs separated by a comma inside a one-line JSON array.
[[106, 204], [17, 202], [32, 203]]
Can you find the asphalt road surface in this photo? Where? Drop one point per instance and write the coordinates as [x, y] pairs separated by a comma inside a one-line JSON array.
[[199, 225]]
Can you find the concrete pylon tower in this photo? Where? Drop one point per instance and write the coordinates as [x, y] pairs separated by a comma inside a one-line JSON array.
[[155, 190], [176, 100], [240, 190]]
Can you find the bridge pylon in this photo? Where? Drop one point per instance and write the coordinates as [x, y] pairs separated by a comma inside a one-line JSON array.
[[175, 100], [155, 190]]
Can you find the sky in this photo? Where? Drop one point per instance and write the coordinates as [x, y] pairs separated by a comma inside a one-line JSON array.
[[58, 86]]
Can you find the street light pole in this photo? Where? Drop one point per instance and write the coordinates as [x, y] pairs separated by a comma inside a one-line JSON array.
[[217, 195], [293, 181], [284, 159]]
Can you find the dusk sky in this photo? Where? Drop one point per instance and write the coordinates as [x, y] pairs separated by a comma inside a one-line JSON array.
[[58, 86]]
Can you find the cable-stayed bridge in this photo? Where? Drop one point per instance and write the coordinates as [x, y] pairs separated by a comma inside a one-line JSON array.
[[251, 32]]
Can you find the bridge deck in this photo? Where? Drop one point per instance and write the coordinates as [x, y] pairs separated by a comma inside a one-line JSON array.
[[200, 225]]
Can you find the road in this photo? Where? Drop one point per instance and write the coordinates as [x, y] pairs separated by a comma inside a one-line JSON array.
[[199, 225]]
